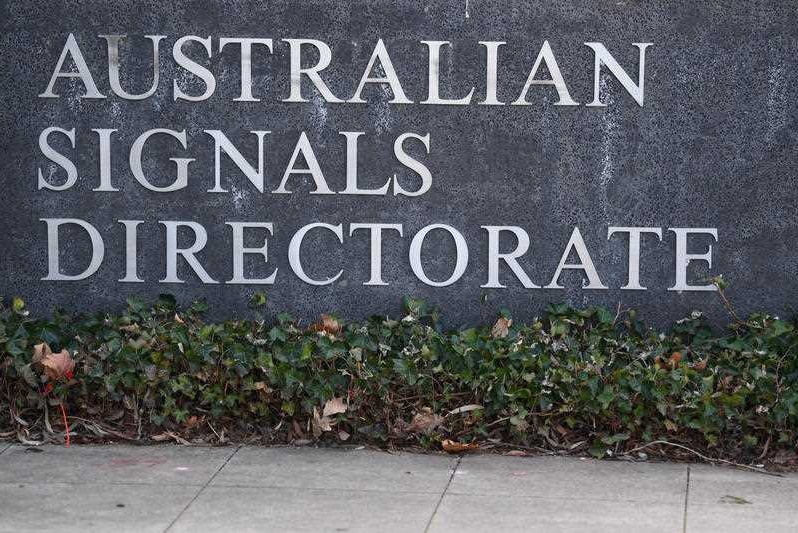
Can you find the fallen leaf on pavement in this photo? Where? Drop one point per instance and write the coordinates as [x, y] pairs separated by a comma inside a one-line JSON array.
[[736, 500], [451, 446]]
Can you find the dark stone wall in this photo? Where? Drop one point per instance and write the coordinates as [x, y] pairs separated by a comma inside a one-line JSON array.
[[713, 146]]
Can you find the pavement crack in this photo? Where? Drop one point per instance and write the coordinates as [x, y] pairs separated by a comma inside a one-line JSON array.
[[445, 489], [202, 489], [686, 498]]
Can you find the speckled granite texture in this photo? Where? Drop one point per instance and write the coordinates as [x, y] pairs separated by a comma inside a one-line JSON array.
[[714, 145]]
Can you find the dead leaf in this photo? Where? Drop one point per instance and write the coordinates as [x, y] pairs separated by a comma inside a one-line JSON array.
[[180, 440], [736, 500], [40, 351], [261, 385], [671, 426], [701, 364], [501, 328], [327, 324], [465, 409], [319, 424], [168, 435], [343, 435], [58, 365], [334, 406], [178, 319], [424, 421], [674, 359], [451, 446], [562, 430]]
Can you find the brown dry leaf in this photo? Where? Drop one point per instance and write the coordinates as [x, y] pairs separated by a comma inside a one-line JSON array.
[[58, 365], [424, 421], [40, 351], [178, 439], [562, 430], [671, 426], [466, 409], [334, 406], [501, 328], [327, 324], [261, 385], [319, 424], [451, 446], [178, 319], [701, 364], [674, 359], [168, 435]]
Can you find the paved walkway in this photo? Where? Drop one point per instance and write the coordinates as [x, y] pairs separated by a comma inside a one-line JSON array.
[[171, 488]]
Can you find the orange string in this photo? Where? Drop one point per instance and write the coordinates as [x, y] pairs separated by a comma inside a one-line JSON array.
[[66, 424]]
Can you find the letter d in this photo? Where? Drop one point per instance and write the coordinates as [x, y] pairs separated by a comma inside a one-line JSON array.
[[97, 249]]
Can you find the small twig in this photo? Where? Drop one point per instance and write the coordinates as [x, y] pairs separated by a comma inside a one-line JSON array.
[[66, 424], [497, 421], [47, 425], [765, 448], [525, 448], [102, 427], [221, 439], [138, 418], [719, 285], [704, 457], [617, 315], [16, 417]]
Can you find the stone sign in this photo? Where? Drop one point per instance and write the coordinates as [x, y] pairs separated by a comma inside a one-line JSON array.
[[343, 155]]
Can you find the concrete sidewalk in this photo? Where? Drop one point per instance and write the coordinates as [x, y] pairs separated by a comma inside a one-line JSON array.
[[171, 488]]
